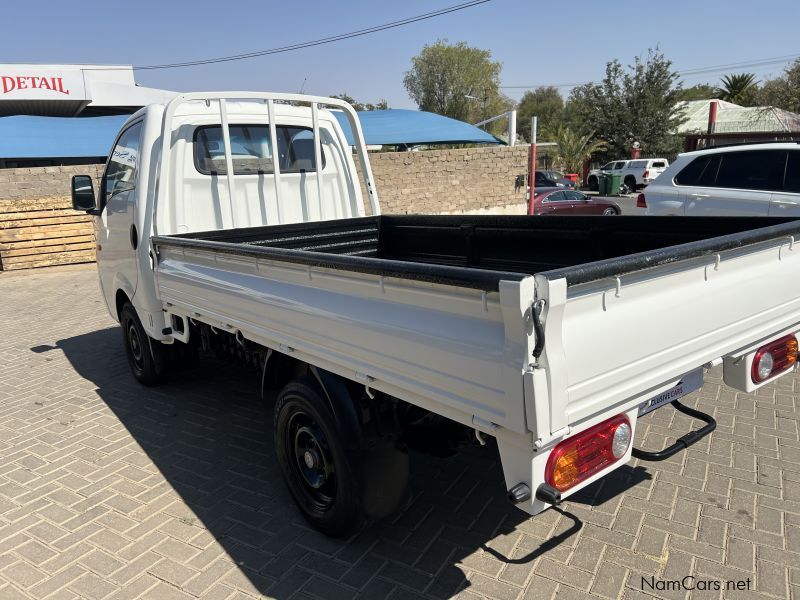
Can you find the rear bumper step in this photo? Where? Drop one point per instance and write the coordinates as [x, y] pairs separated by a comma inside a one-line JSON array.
[[684, 441]]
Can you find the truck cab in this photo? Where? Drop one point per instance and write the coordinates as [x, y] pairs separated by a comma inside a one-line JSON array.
[[277, 181]]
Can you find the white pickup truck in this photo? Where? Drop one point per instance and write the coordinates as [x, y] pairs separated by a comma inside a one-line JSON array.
[[235, 222]]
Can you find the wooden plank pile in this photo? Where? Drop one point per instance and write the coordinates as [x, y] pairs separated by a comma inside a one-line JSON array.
[[40, 232]]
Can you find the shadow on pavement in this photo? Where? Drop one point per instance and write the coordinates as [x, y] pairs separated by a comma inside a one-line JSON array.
[[210, 435]]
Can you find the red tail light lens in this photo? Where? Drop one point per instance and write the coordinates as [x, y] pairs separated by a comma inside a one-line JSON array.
[[774, 358], [646, 173], [640, 201], [576, 459]]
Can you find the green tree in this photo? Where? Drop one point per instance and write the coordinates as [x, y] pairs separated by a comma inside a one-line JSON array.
[[700, 91], [359, 106], [637, 104], [574, 148], [547, 104], [784, 91], [455, 80], [739, 88]]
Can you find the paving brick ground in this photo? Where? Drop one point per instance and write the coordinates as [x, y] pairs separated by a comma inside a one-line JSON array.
[[112, 490]]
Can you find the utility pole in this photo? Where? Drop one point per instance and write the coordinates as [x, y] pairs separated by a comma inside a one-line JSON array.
[[532, 165]]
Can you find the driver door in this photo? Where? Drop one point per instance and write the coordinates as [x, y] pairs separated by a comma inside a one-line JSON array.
[[116, 230]]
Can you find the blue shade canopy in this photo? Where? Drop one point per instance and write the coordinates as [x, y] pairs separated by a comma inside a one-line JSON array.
[[412, 127], [25, 136]]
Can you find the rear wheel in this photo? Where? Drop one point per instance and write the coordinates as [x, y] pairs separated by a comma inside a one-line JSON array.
[[609, 212], [316, 467], [631, 183], [146, 357]]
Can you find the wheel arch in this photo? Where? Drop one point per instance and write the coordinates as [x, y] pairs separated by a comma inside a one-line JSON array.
[[120, 298]]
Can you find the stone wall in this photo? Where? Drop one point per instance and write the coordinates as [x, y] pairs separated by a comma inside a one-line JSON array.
[[38, 227], [472, 180], [42, 182]]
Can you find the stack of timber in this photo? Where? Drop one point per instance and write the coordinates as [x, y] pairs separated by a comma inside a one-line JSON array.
[[41, 232]]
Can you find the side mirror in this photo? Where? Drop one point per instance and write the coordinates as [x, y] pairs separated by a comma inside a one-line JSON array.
[[82, 193]]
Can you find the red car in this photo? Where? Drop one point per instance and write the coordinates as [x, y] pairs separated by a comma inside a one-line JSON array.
[[558, 201]]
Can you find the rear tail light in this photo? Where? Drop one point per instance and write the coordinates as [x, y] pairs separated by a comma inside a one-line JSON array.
[[646, 173], [576, 459], [640, 201], [774, 358]]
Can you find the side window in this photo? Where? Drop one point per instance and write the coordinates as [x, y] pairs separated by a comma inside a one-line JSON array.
[[573, 196], [752, 170], [120, 175], [659, 164], [637, 164], [251, 150], [792, 181], [702, 171], [556, 197]]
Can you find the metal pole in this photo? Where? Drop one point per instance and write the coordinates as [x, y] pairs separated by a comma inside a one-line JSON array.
[[512, 128], [226, 141], [532, 165], [317, 154], [276, 155]]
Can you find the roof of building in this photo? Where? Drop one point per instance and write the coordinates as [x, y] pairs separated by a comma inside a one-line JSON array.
[[25, 136], [732, 118], [413, 128]]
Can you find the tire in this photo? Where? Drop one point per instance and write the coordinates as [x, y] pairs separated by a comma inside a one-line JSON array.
[[609, 212], [318, 470], [146, 357], [593, 183], [631, 183]]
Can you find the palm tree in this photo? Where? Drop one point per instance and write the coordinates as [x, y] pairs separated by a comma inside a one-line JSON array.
[[574, 148], [739, 88]]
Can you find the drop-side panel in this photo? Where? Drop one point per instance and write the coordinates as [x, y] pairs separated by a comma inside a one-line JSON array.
[[440, 342], [613, 341]]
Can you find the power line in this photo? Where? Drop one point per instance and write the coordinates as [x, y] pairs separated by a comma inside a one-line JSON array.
[[688, 72], [319, 42]]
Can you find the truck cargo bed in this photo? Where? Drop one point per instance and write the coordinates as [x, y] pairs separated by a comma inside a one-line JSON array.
[[479, 251]]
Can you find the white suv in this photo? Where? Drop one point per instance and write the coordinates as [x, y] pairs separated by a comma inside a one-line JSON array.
[[746, 180]]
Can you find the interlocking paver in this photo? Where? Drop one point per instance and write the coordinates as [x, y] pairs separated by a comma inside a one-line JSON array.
[[111, 490]]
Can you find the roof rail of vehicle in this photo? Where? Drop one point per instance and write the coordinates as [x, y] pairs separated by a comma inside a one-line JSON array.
[[754, 143]]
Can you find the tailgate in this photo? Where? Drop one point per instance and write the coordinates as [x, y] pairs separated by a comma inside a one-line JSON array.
[[615, 339]]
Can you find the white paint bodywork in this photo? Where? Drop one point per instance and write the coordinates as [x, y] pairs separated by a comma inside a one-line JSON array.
[[463, 353]]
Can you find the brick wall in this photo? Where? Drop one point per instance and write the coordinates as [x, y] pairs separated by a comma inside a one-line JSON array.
[[471, 180], [42, 182]]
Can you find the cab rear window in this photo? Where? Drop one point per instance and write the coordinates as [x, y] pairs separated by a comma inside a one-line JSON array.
[[252, 152]]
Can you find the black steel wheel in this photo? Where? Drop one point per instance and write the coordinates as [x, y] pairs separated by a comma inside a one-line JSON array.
[[145, 356], [315, 464], [593, 183], [631, 183]]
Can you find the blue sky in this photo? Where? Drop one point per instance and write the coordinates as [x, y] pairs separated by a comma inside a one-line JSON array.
[[538, 43]]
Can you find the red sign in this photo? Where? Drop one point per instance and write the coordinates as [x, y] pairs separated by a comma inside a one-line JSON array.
[[32, 82]]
